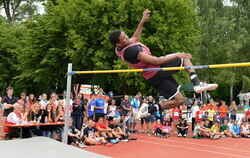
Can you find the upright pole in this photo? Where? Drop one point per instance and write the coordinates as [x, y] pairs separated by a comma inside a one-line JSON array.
[[66, 126]]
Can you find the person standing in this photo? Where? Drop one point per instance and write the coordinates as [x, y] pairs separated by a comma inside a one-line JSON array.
[[90, 107], [99, 107], [22, 101], [77, 114], [241, 97], [44, 101], [223, 110], [135, 107], [8, 102], [233, 110], [194, 109]]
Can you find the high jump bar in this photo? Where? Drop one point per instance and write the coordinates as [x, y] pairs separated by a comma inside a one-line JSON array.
[[163, 68]]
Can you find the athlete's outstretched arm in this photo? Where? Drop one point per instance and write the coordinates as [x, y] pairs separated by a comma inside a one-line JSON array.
[[136, 36], [161, 60]]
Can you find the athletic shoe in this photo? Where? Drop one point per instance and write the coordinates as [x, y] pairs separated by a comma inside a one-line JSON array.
[[185, 135], [204, 87], [113, 141], [179, 135], [142, 112], [125, 140], [81, 145]]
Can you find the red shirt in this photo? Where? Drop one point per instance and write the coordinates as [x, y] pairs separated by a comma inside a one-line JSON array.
[[97, 125], [247, 115], [176, 114], [157, 126], [214, 106], [198, 115]]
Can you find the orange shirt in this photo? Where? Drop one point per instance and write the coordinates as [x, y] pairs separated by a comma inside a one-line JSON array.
[[214, 106], [223, 111]]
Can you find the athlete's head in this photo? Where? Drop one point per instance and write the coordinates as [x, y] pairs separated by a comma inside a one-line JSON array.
[[119, 38]]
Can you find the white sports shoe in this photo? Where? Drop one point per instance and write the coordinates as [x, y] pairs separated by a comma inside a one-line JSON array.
[[142, 112], [204, 87]]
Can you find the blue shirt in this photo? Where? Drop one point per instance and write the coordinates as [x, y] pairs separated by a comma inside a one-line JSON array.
[[91, 108], [236, 129], [135, 103], [99, 103]]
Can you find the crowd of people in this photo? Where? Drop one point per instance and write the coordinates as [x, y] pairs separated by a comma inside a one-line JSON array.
[[101, 120]]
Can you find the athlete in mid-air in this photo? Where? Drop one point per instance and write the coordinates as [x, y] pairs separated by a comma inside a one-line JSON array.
[[138, 56]]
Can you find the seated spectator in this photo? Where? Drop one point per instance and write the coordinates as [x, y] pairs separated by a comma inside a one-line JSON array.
[[16, 118], [27, 113], [158, 128], [166, 129], [117, 131], [37, 116], [122, 123], [60, 117], [230, 124], [182, 128], [227, 132], [205, 115], [74, 135], [104, 131], [206, 124], [90, 135], [236, 128], [199, 130], [49, 118], [215, 131], [244, 130]]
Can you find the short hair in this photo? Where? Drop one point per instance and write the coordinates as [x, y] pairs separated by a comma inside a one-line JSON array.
[[9, 88], [114, 37]]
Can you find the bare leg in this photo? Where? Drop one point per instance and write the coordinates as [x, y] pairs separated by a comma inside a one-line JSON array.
[[177, 101]]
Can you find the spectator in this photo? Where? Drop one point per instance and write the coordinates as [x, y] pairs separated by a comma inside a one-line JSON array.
[[9, 101], [211, 115], [22, 101], [184, 112], [90, 107], [230, 124], [207, 124], [90, 135], [44, 101], [16, 117], [176, 115], [126, 111], [244, 130], [247, 115], [198, 115], [53, 101], [31, 100], [38, 115], [99, 107], [77, 114], [236, 128], [111, 111], [166, 129], [194, 109], [74, 136], [105, 131], [158, 128], [199, 131], [233, 110], [247, 97], [106, 105], [211, 103], [27, 113], [227, 132], [182, 128], [49, 118], [215, 131], [241, 97], [60, 113], [135, 107], [223, 110], [117, 131], [149, 119]]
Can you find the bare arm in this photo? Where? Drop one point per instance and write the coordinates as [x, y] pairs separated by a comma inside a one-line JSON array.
[[137, 34], [161, 60]]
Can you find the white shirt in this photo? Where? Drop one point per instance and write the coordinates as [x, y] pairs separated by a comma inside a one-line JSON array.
[[194, 109], [70, 102], [44, 103], [12, 117]]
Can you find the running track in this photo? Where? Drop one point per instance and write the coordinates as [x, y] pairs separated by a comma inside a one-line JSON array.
[[149, 146]]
